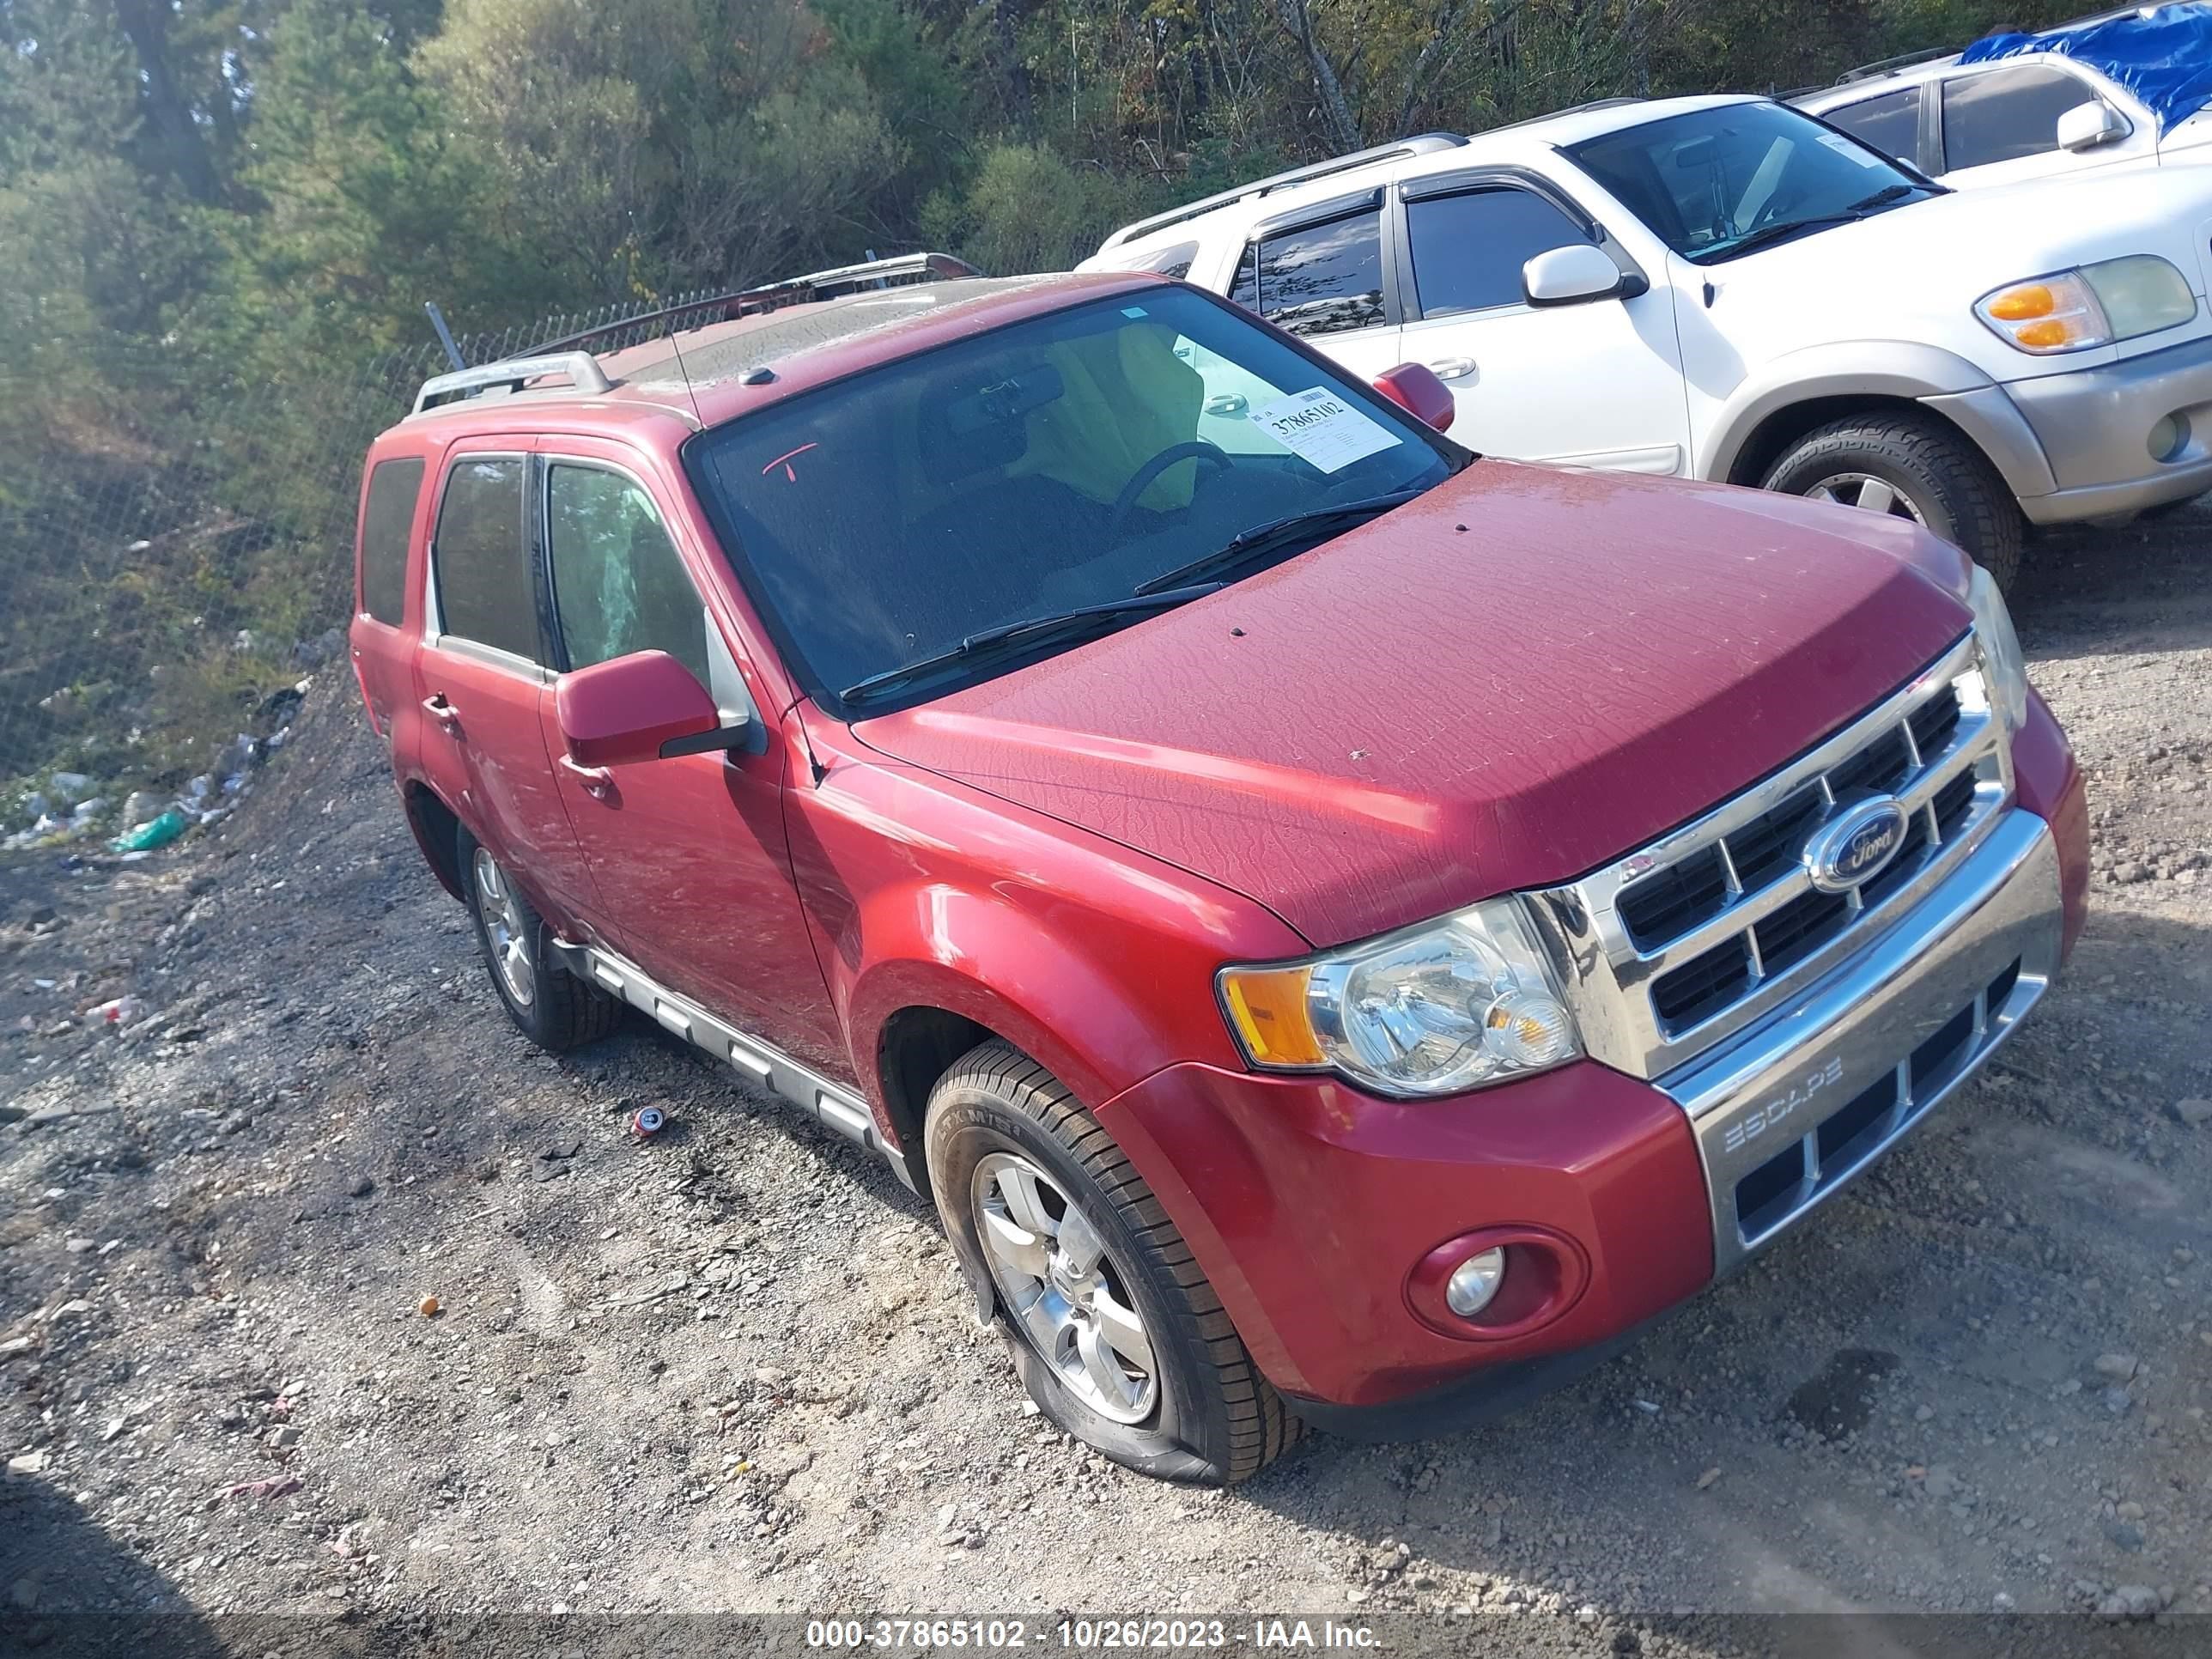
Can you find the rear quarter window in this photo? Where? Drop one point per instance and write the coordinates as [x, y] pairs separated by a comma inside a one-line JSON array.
[[387, 523]]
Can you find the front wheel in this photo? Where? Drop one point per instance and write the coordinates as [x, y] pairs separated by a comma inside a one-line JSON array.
[[1909, 466], [1115, 1330]]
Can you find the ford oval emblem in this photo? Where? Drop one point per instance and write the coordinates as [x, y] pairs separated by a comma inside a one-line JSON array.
[[1855, 845]]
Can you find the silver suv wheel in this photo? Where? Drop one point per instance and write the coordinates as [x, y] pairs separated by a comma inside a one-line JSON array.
[[1071, 1300], [505, 929], [1869, 493]]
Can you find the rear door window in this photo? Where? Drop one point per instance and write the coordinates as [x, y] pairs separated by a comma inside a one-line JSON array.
[[1468, 250], [1890, 123], [2005, 114], [1317, 279], [386, 523], [485, 593], [619, 585]]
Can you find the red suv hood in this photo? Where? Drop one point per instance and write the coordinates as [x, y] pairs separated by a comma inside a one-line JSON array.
[[1518, 677]]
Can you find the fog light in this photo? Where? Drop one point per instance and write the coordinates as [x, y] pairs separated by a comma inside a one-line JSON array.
[[1474, 1282], [2168, 437]]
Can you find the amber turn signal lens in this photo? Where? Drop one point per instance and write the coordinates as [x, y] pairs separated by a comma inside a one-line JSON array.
[[2052, 332], [2021, 304], [1269, 1007]]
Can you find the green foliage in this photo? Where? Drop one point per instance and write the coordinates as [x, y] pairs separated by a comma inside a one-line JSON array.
[[1028, 209], [219, 219]]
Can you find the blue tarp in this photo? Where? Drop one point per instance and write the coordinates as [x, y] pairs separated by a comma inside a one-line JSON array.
[[2164, 57]]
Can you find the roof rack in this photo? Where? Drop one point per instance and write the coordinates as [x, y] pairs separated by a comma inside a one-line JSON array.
[[1419, 144], [1553, 115], [900, 271], [582, 369], [1904, 60], [571, 355]]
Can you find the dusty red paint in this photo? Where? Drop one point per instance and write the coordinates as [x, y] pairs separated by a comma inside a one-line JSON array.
[[625, 710], [1414, 716]]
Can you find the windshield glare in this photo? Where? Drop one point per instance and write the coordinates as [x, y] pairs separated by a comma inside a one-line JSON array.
[[1707, 180], [1056, 462]]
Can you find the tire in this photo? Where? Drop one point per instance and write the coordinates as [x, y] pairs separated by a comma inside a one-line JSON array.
[[1201, 1412], [1935, 476], [548, 1004]]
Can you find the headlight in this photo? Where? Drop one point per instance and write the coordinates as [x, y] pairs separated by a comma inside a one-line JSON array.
[[1455, 1004], [2002, 660], [2092, 306]]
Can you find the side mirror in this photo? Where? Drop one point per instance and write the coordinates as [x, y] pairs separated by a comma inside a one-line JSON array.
[[639, 708], [1571, 275], [2087, 127], [1415, 389]]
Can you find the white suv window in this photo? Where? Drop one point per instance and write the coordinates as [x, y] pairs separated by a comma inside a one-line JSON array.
[[1316, 279], [2005, 114], [1890, 123], [1468, 250]]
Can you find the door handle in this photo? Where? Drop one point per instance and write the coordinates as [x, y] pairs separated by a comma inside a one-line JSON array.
[[1452, 369], [598, 782], [444, 713]]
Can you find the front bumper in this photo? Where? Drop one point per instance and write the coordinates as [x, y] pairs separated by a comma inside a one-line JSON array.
[[1798, 1104], [2094, 426], [1308, 1203]]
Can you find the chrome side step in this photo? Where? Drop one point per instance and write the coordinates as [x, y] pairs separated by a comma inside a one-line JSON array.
[[830, 1104]]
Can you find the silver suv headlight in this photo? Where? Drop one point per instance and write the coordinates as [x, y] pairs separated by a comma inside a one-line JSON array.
[[2002, 659], [2089, 306], [1451, 1006]]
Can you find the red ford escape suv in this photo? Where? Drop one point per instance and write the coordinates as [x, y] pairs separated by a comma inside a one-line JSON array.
[[1343, 930]]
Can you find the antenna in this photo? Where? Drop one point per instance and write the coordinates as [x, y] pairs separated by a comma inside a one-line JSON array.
[[669, 323], [445, 335]]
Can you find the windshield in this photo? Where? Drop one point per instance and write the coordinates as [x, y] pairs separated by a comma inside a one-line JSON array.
[[1061, 462], [1718, 182]]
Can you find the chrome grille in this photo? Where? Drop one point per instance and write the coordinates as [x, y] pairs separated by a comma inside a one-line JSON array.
[[1683, 942]]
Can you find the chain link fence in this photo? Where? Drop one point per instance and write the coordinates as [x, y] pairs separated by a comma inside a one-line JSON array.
[[157, 613]]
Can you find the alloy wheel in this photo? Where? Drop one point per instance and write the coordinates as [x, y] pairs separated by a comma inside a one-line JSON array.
[[1869, 493], [1072, 1302], [504, 926]]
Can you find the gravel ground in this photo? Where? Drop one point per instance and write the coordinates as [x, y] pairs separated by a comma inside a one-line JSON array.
[[730, 1369]]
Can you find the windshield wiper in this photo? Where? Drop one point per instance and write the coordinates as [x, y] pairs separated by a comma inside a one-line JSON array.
[[1886, 195], [1058, 628], [1766, 235], [1261, 539]]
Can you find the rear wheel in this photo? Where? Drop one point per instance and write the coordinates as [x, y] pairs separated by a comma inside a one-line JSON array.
[[1113, 1329], [548, 1004], [1909, 466]]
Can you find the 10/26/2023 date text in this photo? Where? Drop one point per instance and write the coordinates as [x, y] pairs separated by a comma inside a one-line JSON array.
[[921, 1635]]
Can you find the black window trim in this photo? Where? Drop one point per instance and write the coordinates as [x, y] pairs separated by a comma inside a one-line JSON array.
[[1405, 304], [434, 636], [801, 673]]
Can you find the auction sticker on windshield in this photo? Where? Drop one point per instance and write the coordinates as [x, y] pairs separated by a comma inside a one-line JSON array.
[[1319, 427]]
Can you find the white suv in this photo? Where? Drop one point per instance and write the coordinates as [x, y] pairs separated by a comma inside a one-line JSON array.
[[2123, 89], [1725, 288]]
